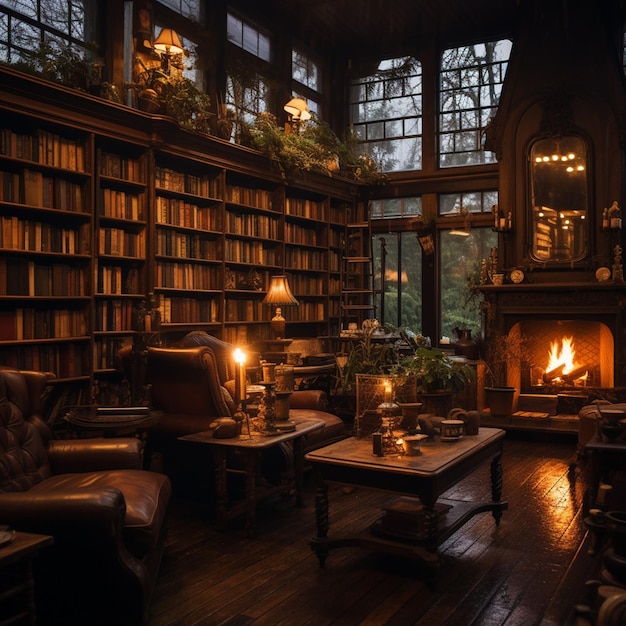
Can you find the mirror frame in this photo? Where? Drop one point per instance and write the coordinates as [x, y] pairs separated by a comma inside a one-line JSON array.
[[558, 214]]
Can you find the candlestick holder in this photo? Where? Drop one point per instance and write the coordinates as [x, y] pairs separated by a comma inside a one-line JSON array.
[[267, 411], [390, 412]]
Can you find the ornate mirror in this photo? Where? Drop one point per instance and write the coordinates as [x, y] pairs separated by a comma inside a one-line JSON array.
[[559, 196]]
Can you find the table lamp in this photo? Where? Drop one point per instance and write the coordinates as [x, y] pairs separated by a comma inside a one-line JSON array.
[[279, 295]]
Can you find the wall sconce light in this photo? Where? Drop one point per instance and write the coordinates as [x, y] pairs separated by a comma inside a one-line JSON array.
[[168, 44], [298, 111], [279, 294]]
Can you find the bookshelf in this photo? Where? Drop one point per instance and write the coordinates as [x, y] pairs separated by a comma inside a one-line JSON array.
[[120, 244], [105, 207], [45, 239], [188, 242]]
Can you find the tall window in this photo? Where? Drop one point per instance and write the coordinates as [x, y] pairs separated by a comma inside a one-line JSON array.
[[386, 114], [26, 25], [398, 279], [471, 83], [307, 81], [248, 37], [247, 86], [461, 252]]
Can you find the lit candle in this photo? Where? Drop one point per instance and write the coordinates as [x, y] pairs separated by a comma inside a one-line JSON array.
[[240, 376], [387, 392]]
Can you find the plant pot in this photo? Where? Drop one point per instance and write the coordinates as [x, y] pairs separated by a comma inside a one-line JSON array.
[[437, 403], [501, 400]]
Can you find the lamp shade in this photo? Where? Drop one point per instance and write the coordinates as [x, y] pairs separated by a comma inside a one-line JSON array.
[[298, 109], [279, 293], [168, 42]]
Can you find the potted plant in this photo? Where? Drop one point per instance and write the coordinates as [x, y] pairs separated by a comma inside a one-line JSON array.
[[503, 352], [438, 378]]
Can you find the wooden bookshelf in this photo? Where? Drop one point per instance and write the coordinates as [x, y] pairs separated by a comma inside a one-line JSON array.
[[103, 205]]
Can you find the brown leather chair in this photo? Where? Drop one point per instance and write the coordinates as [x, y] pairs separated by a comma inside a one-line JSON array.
[[185, 385], [106, 514]]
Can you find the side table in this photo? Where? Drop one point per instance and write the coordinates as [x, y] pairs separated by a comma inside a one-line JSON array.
[[251, 448], [17, 586]]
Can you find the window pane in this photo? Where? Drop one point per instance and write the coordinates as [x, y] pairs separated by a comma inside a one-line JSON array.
[[390, 95], [401, 277], [471, 81], [460, 260], [247, 36]]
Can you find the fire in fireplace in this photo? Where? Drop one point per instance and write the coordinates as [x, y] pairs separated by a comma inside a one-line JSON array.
[[562, 354]]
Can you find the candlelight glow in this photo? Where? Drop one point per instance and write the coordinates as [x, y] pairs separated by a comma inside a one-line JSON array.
[[239, 356]]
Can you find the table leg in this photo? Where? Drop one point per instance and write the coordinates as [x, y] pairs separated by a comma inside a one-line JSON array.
[[221, 488], [318, 544], [251, 472], [496, 485], [298, 469]]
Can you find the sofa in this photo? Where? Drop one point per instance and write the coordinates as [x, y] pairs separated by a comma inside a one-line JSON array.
[[107, 515]]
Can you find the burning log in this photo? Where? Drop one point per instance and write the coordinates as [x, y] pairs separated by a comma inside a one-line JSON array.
[[574, 374], [557, 372]]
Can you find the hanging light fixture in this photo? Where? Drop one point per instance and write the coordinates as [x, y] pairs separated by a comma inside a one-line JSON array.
[[279, 295], [168, 44]]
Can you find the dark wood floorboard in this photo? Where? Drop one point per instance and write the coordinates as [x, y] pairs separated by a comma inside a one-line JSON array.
[[528, 571]]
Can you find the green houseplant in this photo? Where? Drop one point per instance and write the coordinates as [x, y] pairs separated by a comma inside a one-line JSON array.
[[438, 377]]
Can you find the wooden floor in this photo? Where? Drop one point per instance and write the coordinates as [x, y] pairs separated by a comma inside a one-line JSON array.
[[523, 573]]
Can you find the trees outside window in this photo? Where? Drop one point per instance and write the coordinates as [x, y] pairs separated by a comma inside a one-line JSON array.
[[471, 80], [386, 114]]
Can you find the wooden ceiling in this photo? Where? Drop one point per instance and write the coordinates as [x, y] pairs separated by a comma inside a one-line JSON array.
[[356, 27]]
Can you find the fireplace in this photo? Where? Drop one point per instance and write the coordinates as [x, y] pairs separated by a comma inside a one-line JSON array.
[[537, 320]]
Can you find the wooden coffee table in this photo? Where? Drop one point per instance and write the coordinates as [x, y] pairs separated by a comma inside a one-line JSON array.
[[439, 466], [251, 448]]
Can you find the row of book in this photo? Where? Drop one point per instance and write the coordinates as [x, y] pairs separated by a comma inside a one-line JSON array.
[[122, 205], [118, 166], [303, 236], [66, 360], [308, 312], [117, 280], [237, 251], [45, 147], [182, 182], [187, 276], [105, 349], [177, 212], [306, 259], [183, 245], [304, 207], [176, 310], [114, 315], [33, 188], [252, 225], [258, 198], [246, 310], [28, 323], [119, 242], [32, 236], [19, 277]]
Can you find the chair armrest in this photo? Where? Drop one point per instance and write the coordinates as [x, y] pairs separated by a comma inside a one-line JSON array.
[[65, 512], [314, 399], [93, 455]]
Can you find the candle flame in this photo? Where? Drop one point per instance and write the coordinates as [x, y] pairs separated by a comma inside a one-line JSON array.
[[239, 356]]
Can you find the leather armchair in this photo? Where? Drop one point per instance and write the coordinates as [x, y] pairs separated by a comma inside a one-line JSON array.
[[106, 514], [185, 385]]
